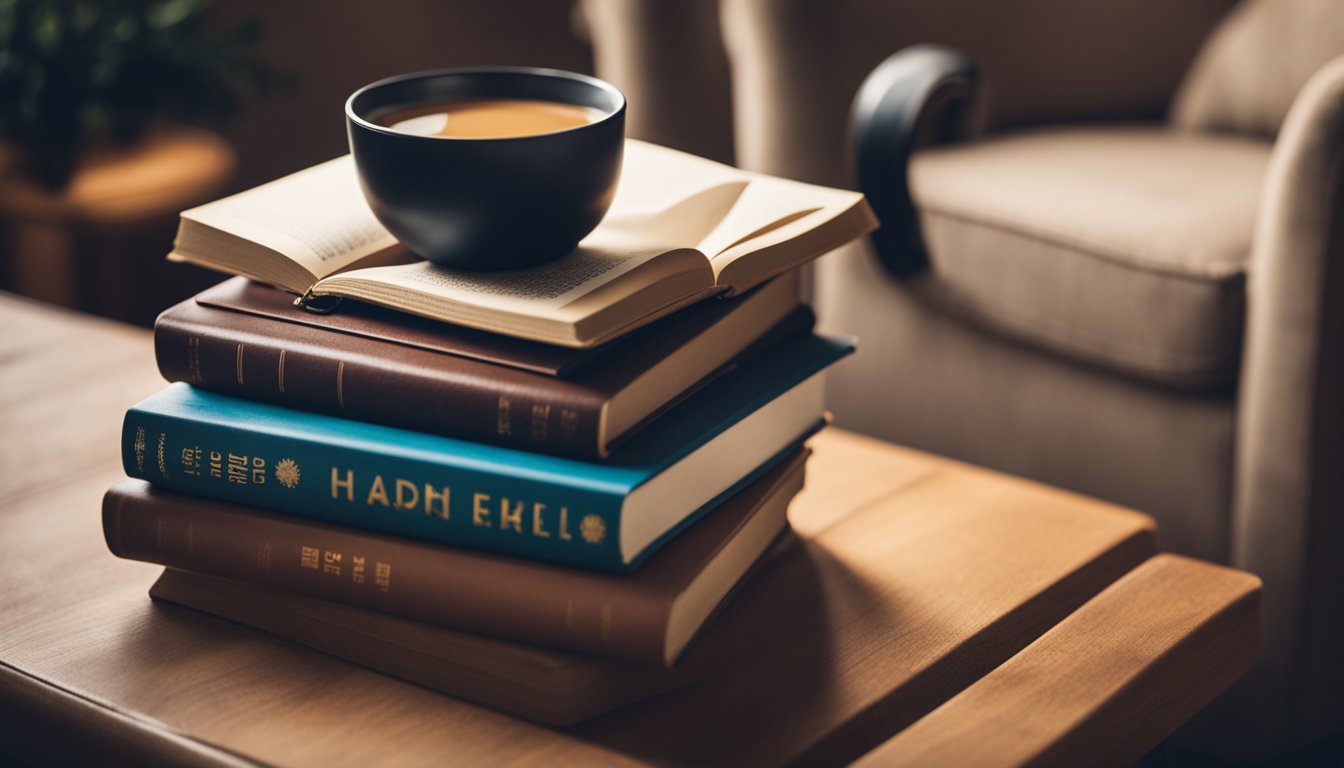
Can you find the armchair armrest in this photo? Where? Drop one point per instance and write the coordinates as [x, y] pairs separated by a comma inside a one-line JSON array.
[[1288, 517], [917, 95]]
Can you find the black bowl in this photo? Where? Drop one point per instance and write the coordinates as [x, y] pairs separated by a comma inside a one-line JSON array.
[[495, 203]]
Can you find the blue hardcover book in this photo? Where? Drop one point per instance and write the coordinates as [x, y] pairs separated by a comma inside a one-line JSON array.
[[605, 516]]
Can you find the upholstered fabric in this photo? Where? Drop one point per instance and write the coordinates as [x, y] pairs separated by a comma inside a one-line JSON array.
[[935, 378], [923, 379], [1254, 64], [668, 59], [1288, 524], [1122, 247], [796, 64]]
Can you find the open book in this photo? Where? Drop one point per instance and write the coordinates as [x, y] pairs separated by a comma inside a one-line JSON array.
[[681, 228]]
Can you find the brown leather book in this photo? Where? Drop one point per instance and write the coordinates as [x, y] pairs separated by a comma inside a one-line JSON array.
[[546, 685], [376, 365], [649, 616]]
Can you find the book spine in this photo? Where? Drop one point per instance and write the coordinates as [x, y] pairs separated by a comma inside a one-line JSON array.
[[428, 496], [379, 382], [507, 598]]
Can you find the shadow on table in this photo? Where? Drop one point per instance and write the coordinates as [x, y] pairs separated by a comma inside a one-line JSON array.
[[772, 662]]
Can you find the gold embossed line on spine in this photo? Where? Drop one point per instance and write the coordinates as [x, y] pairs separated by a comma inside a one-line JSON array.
[[281, 372], [240, 364], [340, 384]]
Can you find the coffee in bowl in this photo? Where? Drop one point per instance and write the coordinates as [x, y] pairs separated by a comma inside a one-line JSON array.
[[487, 118], [488, 168]]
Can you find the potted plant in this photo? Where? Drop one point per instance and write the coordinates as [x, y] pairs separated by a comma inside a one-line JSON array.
[[82, 74]]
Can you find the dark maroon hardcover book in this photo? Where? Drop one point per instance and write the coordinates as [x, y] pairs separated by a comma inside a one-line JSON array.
[[371, 364]]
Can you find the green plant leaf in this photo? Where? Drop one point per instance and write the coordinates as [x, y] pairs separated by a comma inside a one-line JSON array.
[[77, 72]]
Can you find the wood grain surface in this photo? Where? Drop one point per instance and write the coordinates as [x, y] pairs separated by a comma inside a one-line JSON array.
[[910, 579], [1100, 688]]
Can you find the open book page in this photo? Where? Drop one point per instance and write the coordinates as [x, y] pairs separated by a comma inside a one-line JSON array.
[[730, 214], [777, 225], [665, 203], [679, 228], [317, 217], [545, 289], [655, 178]]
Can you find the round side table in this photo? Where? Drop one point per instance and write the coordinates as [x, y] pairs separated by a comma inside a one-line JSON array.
[[98, 244]]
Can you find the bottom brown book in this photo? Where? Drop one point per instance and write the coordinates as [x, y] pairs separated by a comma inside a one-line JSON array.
[[546, 685], [699, 571]]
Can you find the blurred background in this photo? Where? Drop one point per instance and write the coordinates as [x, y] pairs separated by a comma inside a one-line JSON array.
[[1127, 281], [116, 116]]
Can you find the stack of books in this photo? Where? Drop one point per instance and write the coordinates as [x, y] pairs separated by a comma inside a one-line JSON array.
[[531, 489]]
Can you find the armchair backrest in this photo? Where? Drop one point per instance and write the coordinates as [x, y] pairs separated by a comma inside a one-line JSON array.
[[668, 58], [796, 64], [1255, 63]]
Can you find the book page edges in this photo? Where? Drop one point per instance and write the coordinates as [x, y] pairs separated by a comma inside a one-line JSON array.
[[752, 262], [590, 320], [281, 244], [740, 552], [289, 275]]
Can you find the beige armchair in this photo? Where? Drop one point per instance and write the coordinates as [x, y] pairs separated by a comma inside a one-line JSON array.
[[1128, 280]]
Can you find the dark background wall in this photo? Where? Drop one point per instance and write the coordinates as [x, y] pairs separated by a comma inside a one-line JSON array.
[[333, 47], [327, 49]]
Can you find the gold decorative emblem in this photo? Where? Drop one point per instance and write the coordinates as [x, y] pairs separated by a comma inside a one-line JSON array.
[[287, 472], [593, 529]]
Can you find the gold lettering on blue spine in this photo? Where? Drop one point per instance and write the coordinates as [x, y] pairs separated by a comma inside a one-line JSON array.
[[407, 495], [138, 445], [348, 484], [480, 510], [437, 502], [431, 495], [378, 493], [510, 516], [538, 527]]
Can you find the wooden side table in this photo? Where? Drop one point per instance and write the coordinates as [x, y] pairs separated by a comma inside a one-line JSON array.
[[928, 613], [98, 245]]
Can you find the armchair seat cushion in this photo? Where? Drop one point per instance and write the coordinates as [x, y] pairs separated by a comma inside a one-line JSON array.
[[1123, 247]]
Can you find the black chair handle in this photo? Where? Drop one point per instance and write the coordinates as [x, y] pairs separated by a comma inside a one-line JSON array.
[[889, 117]]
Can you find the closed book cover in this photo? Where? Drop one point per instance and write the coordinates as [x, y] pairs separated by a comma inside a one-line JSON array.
[[372, 364], [605, 515], [648, 616], [545, 685]]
